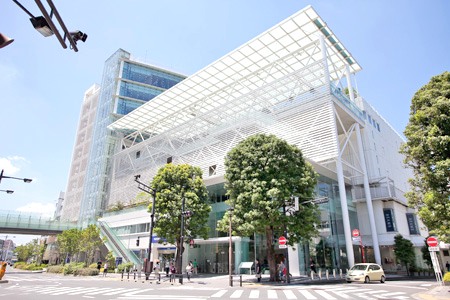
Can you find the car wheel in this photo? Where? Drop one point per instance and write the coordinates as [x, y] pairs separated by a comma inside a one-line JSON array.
[[348, 281], [383, 279], [367, 279]]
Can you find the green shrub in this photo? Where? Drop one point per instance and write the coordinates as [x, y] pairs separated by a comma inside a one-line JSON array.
[[447, 277], [55, 269], [125, 267], [85, 272], [93, 266], [72, 267]]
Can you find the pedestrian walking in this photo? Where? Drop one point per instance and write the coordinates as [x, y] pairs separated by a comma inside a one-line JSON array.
[[99, 266], [258, 270], [312, 265], [189, 268], [173, 271], [195, 265], [105, 269], [167, 267], [281, 270]]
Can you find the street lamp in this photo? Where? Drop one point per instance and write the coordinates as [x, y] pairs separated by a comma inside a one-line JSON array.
[[27, 180], [230, 247], [7, 191], [148, 265]]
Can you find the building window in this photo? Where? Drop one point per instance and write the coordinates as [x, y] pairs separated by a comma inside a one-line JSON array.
[[389, 219], [138, 154], [212, 170], [412, 223]]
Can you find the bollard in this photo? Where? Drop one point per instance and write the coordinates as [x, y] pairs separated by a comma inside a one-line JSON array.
[[326, 274], [340, 273], [134, 276], [128, 275], [240, 280], [334, 273], [122, 275], [312, 275], [231, 280], [320, 274]]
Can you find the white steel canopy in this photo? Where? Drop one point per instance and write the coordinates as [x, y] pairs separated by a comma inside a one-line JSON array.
[[272, 58]]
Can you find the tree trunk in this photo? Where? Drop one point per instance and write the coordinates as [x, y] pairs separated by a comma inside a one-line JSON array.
[[271, 253]]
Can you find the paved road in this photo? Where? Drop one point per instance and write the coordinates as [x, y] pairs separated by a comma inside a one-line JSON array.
[[49, 286]]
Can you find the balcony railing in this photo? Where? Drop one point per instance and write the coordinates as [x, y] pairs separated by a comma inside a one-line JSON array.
[[337, 92]]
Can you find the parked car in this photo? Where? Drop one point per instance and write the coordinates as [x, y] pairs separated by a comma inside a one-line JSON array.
[[366, 273]]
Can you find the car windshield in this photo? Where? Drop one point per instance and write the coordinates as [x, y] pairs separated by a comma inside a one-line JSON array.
[[359, 267]]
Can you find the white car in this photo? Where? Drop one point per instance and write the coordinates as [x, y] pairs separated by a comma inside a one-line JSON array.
[[366, 273]]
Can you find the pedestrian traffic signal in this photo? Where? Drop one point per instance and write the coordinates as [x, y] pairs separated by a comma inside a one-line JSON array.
[[137, 242]]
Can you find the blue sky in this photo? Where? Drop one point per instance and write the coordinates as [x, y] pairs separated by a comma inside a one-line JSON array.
[[399, 44]]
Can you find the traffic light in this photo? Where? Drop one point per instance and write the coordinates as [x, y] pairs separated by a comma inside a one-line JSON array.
[[137, 242]]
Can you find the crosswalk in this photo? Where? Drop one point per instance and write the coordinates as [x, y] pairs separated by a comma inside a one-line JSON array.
[[54, 287], [311, 293]]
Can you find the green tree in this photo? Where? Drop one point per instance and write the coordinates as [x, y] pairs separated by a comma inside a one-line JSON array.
[[262, 173], [404, 252], [90, 242], [69, 243], [23, 252], [427, 152], [173, 183]]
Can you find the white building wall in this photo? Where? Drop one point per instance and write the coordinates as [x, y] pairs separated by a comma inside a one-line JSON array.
[[74, 190]]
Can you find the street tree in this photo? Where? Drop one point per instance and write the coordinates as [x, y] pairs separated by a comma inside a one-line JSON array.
[[69, 243], [174, 183], [90, 242], [404, 252], [427, 152], [262, 174], [24, 252]]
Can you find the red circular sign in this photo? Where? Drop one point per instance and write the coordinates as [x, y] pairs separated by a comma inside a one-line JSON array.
[[432, 241], [282, 240], [355, 232]]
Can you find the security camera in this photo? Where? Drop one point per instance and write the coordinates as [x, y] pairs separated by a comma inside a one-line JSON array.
[[78, 35]]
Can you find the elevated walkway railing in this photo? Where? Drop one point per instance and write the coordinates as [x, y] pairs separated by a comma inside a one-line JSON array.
[[31, 223], [116, 244]]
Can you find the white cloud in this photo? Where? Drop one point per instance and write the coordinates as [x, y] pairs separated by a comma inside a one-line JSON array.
[[11, 164], [46, 209]]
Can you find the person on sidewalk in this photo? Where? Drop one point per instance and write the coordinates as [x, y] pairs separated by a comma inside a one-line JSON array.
[[189, 271], [258, 270], [312, 265], [105, 269]]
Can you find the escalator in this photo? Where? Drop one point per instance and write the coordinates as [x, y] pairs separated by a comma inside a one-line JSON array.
[[114, 244]]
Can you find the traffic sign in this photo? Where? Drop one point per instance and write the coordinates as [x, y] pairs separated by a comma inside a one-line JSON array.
[[432, 241], [282, 240], [355, 233], [433, 249]]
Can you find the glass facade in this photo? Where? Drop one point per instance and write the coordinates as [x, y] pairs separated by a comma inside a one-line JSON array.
[[137, 84]]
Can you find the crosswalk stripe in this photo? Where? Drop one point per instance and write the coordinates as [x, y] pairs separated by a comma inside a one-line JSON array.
[[237, 294], [65, 291], [254, 294], [83, 291], [219, 294], [59, 289], [307, 294], [289, 294], [119, 291], [100, 291], [272, 294], [325, 295]]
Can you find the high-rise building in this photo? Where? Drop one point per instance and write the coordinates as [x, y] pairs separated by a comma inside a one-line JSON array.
[[126, 85], [296, 81]]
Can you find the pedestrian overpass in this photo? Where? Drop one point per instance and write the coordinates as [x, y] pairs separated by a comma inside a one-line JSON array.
[[33, 224]]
